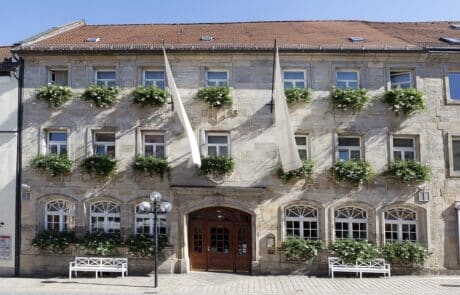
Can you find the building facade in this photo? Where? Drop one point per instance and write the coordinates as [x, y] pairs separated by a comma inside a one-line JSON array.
[[239, 222]]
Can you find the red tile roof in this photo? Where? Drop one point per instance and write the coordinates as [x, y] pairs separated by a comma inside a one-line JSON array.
[[5, 52], [295, 35]]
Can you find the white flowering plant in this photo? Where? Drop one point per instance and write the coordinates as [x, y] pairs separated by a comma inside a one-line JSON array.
[[215, 96], [55, 95], [352, 171], [350, 99], [101, 96], [406, 101], [150, 96]]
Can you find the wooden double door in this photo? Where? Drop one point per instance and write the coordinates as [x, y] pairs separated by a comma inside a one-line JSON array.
[[220, 240]]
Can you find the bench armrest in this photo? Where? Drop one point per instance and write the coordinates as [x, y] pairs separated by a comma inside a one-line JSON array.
[[72, 263]]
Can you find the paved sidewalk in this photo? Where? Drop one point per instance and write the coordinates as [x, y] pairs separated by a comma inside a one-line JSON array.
[[221, 283]]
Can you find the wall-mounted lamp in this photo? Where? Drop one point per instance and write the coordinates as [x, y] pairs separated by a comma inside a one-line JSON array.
[[271, 244]]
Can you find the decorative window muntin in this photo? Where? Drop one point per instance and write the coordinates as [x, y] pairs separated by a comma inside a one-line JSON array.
[[144, 223], [107, 78], [347, 79], [58, 215], [104, 143], [349, 148], [217, 78], [153, 144], [401, 79], [454, 85], [154, 77], [218, 144], [56, 142], [58, 76], [404, 148], [351, 223], [302, 221], [294, 79], [105, 217], [302, 146], [400, 225]]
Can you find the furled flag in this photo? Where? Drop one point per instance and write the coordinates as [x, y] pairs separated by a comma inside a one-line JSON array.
[[180, 110], [287, 146]]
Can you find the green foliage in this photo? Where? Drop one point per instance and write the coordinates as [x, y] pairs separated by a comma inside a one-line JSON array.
[[297, 95], [55, 165], [349, 98], [215, 96], [143, 246], [297, 248], [151, 165], [217, 165], [53, 241], [405, 252], [102, 244], [150, 96], [406, 101], [354, 172], [101, 166], [351, 251], [55, 95], [410, 171], [101, 96], [306, 171]]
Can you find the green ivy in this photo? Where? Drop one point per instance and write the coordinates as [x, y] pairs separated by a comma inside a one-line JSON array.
[[150, 96], [349, 98], [352, 171], [306, 171], [297, 95], [406, 101], [405, 252], [143, 246], [351, 251], [410, 171], [53, 241], [151, 165], [102, 244], [55, 95], [101, 166], [55, 165], [215, 96], [217, 165], [101, 96], [297, 248]]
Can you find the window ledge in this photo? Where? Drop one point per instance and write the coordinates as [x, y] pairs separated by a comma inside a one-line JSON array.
[[450, 101]]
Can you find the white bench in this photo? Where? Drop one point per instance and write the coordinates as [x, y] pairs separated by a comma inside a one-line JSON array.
[[98, 265], [377, 265]]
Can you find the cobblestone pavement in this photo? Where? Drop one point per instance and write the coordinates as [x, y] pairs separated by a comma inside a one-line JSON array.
[[221, 283]]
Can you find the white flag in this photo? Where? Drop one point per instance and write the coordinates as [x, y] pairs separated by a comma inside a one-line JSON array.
[[287, 146], [180, 110]]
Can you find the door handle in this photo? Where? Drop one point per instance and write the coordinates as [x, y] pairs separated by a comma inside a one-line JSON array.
[[209, 248]]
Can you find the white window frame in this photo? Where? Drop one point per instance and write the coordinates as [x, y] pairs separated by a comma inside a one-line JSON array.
[[154, 81], [399, 222], [154, 145], [295, 81], [57, 143], [349, 148], [451, 139], [106, 144], [398, 85], [347, 82], [105, 81], [57, 69], [227, 81], [64, 210], [218, 145], [303, 147], [302, 210], [403, 150], [149, 217], [350, 220], [106, 215]]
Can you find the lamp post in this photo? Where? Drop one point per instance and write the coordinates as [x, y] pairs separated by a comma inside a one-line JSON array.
[[165, 207]]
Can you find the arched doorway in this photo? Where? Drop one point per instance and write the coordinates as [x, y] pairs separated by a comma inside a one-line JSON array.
[[220, 240]]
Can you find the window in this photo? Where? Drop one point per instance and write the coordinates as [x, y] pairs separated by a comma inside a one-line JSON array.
[[58, 216], [456, 153], [294, 79], [104, 144], [302, 146], [217, 144], [216, 78], [144, 223], [401, 80], [347, 79], [454, 85], [349, 148], [58, 77], [154, 144], [56, 142], [156, 78], [400, 225], [302, 221], [351, 223], [106, 78], [105, 217], [403, 149]]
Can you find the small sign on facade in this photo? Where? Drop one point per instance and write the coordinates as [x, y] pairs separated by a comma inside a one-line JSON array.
[[5, 247]]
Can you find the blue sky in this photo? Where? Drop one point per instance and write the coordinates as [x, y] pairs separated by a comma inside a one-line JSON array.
[[39, 15]]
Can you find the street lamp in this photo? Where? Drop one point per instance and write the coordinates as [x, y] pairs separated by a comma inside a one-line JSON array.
[[165, 207]]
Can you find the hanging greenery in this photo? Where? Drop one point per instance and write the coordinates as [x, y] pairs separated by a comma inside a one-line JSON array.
[[100, 166], [151, 165], [150, 96], [352, 171], [351, 251], [53, 241], [101, 96], [306, 171], [350, 99], [297, 248], [405, 252], [217, 165], [55, 165], [55, 95], [410, 171], [297, 95], [406, 101], [102, 244], [144, 246], [215, 96]]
